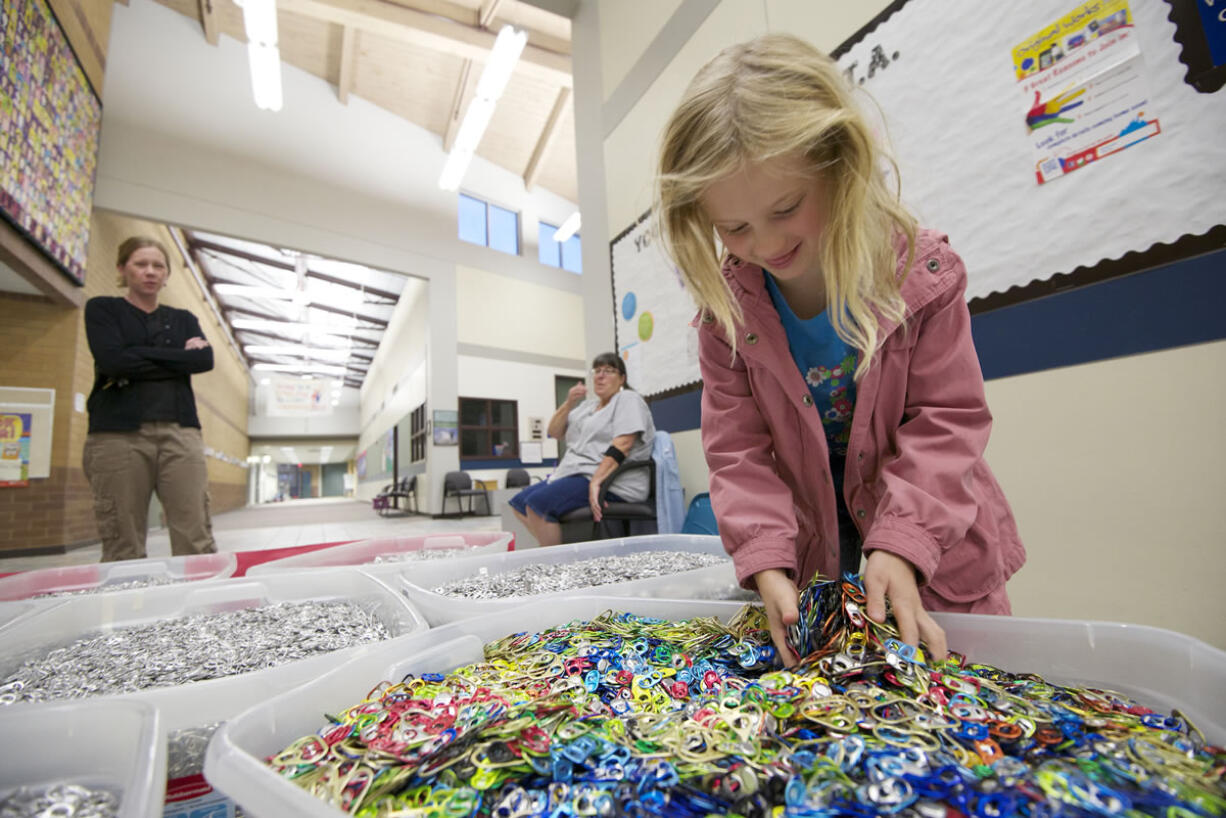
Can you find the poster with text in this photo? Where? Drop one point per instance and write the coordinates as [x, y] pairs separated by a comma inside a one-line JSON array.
[[1081, 79], [14, 449]]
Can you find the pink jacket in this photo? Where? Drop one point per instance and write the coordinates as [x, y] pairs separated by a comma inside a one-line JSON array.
[[915, 482]]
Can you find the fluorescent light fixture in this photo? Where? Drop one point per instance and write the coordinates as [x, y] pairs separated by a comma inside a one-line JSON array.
[[259, 20], [497, 72], [473, 127], [246, 291], [337, 330], [319, 369], [300, 351], [265, 381], [265, 76], [267, 458], [260, 23], [568, 228], [453, 170], [494, 78]]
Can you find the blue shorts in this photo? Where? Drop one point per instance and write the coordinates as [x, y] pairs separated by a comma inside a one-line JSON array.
[[553, 499]]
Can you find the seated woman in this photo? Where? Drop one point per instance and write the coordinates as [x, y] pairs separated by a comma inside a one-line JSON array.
[[599, 435]]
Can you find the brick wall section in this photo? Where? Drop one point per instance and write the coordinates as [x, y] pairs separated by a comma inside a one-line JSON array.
[[43, 345]]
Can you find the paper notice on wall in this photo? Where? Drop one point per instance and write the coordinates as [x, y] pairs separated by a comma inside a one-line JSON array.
[[298, 397], [14, 449], [1082, 86]]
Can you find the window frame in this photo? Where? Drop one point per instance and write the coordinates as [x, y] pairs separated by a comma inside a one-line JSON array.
[[489, 428], [417, 434], [558, 262], [487, 205]]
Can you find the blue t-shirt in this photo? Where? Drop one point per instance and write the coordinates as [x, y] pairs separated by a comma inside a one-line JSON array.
[[828, 365]]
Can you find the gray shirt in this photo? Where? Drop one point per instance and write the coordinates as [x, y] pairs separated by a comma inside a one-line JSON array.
[[590, 430]]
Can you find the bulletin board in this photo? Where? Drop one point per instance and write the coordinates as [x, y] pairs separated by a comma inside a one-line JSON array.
[[49, 140], [959, 117], [38, 406]]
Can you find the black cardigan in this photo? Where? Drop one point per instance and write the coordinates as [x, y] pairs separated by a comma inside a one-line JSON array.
[[120, 340]]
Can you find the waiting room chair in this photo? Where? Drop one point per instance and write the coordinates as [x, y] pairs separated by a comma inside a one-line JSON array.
[[617, 519], [406, 490], [459, 484], [517, 478]]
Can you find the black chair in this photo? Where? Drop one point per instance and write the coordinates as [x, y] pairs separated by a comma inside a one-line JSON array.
[[518, 478], [617, 519], [405, 490], [459, 485]]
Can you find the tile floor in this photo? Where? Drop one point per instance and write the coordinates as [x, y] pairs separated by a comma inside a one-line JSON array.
[[280, 525]]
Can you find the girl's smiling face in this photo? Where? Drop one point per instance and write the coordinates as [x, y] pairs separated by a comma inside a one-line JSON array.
[[772, 213]]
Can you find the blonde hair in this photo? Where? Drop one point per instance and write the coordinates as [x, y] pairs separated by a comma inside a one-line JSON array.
[[772, 96], [130, 245]]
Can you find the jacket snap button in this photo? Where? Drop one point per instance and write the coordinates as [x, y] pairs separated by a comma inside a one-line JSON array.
[[807, 400], [860, 456], [860, 513], [751, 338], [933, 265]]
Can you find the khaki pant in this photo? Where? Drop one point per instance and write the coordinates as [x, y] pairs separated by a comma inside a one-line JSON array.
[[124, 469]]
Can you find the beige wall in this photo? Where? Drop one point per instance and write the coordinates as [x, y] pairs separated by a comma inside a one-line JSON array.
[[507, 313], [1113, 468], [626, 29]]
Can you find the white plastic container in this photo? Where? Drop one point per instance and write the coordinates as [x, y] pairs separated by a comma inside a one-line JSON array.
[[364, 552], [419, 579], [200, 703], [98, 575], [116, 745], [1099, 654], [1161, 669]]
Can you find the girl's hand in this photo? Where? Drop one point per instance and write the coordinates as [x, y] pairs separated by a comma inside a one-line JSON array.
[[780, 597], [196, 343], [593, 499], [890, 576]]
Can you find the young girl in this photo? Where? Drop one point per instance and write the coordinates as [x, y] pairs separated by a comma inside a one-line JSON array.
[[843, 405]]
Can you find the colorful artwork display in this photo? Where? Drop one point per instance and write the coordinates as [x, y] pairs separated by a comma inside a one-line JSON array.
[[14, 449], [50, 121]]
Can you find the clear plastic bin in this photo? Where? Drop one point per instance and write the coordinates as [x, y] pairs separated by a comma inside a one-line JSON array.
[[364, 552], [192, 568], [200, 703], [1179, 672], [116, 745], [418, 579]]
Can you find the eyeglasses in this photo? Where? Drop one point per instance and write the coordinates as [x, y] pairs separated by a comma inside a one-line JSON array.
[[605, 370]]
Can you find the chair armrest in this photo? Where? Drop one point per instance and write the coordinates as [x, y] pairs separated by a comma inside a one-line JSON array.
[[622, 468]]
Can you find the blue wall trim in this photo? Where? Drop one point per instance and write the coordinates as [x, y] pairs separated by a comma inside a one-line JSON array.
[[501, 463], [1170, 306]]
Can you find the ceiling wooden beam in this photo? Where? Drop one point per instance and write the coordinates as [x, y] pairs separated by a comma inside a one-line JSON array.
[[344, 80], [428, 31], [208, 20], [459, 103], [487, 12], [545, 142]]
